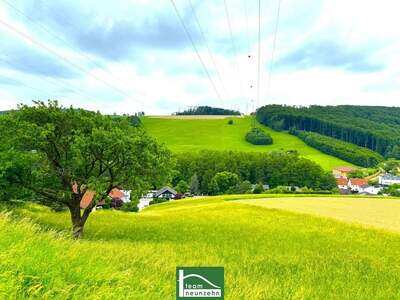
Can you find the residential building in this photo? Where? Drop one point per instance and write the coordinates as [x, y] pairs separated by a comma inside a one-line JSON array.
[[342, 172], [166, 193], [357, 184], [342, 183], [389, 179]]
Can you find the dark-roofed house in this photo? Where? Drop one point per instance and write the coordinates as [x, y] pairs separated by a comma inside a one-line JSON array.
[[389, 179], [166, 193]]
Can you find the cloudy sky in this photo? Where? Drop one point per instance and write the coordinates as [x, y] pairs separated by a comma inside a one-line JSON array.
[[125, 56]]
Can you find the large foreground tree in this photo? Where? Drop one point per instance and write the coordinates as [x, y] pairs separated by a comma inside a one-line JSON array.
[[53, 155]]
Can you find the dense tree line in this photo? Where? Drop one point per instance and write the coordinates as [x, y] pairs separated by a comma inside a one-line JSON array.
[[349, 152], [376, 128], [257, 136], [273, 168], [208, 110]]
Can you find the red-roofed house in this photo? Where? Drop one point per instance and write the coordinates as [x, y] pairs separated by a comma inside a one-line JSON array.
[[116, 194], [342, 183], [342, 172], [358, 184]]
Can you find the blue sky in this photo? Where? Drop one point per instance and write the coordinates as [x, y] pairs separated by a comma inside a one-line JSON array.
[[124, 56]]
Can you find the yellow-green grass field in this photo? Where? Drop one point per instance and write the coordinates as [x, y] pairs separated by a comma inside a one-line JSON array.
[[188, 134], [267, 253]]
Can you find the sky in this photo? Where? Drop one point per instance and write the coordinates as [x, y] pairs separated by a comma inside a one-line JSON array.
[[125, 56]]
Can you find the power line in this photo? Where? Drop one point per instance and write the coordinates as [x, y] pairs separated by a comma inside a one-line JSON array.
[[271, 64], [66, 60], [233, 45], [69, 86], [247, 27], [44, 28], [208, 47], [195, 49]]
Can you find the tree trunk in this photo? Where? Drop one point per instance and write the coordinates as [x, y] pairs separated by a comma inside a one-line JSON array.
[[76, 219]]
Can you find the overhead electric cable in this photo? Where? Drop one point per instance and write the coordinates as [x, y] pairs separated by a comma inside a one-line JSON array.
[[66, 60], [195, 49], [233, 46], [247, 27], [271, 64], [208, 47]]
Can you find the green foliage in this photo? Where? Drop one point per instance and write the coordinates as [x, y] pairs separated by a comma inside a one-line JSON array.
[[230, 122], [258, 189], [358, 173], [376, 128], [182, 187], [193, 135], [244, 187], [257, 136], [357, 155], [391, 166], [208, 110], [274, 168], [51, 148], [392, 190], [194, 184], [224, 182]]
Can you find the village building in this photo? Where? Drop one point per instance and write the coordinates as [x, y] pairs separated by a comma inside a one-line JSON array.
[[342, 183], [357, 184], [166, 193], [389, 179], [342, 172]]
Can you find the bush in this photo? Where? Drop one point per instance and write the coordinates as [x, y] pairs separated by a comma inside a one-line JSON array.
[[130, 206], [256, 136], [230, 122], [258, 189]]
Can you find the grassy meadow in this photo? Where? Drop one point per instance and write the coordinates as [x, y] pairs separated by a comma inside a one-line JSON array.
[[267, 252], [191, 134]]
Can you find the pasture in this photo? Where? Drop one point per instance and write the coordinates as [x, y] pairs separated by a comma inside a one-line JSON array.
[[194, 134], [267, 252]]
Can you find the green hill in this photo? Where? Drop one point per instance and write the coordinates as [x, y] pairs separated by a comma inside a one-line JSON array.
[[191, 134], [266, 253]]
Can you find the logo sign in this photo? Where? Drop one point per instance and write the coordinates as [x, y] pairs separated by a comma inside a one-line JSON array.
[[199, 283]]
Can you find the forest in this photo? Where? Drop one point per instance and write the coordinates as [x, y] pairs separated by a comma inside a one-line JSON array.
[[208, 110], [357, 155], [376, 128], [272, 168]]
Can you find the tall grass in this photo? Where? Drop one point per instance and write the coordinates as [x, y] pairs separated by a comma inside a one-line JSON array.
[[267, 254]]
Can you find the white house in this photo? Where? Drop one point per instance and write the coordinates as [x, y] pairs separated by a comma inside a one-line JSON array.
[[357, 184], [389, 179], [145, 200], [372, 190]]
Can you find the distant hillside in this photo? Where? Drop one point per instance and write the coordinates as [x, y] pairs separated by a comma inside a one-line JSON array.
[[376, 128], [208, 110], [185, 135]]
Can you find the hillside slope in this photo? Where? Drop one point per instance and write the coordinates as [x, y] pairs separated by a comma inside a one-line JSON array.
[[267, 254], [182, 135]]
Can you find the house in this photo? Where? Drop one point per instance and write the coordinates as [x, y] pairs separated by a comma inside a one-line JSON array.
[[342, 172], [166, 193], [116, 194], [372, 190], [389, 179], [145, 200], [357, 184], [342, 183]]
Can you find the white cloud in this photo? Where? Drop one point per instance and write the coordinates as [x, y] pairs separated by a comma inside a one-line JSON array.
[[166, 76]]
